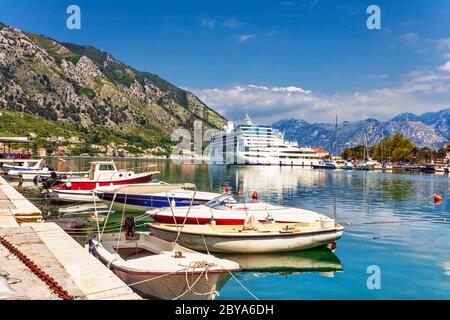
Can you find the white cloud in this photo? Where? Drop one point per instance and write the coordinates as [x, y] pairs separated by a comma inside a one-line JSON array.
[[443, 43], [410, 38], [208, 23], [445, 67], [232, 23], [421, 91], [245, 37]]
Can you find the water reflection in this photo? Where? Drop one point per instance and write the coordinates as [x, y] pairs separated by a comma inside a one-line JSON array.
[[390, 221], [321, 260]]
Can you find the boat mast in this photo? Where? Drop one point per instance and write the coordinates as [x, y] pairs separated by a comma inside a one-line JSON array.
[[336, 136]]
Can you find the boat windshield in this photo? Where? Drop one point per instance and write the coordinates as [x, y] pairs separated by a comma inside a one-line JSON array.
[[220, 201]]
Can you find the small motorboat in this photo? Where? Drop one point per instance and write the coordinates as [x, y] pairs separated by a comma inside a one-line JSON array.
[[325, 165], [331, 164], [348, 166], [25, 170], [252, 237], [368, 165], [23, 165], [432, 168], [158, 269], [142, 197], [225, 210], [41, 174], [102, 173]]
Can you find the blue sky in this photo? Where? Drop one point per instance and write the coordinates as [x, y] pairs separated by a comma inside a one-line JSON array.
[[307, 59]]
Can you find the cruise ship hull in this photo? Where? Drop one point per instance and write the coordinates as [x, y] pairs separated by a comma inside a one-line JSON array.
[[237, 159]]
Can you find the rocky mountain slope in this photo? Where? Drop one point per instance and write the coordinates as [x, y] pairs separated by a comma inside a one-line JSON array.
[[431, 129], [91, 90]]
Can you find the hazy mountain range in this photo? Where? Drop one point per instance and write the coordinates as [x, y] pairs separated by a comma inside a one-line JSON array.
[[431, 129]]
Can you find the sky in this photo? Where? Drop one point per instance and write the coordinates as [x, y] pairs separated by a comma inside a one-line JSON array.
[[274, 59]]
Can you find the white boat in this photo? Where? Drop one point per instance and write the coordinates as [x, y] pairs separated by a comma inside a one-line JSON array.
[[45, 172], [224, 210], [26, 168], [368, 165], [142, 197], [331, 164], [102, 173], [21, 164], [155, 268], [325, 165], [251, 237], [384, 166], [252, 144], [348, 166]]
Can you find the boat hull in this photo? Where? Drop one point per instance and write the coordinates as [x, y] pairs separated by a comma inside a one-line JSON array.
[[160, 287], [202, 215], [81, 190], [142, 203], [249, 244], [72, 196], [151, 268], [324, 166]]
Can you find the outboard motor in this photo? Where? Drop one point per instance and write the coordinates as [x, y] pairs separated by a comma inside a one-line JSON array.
[[52, 181], [129, 226]]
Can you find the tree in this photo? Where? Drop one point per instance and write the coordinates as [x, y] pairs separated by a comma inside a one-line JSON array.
[[395, 148]]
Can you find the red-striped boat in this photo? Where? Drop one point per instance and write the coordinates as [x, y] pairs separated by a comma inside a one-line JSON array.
[[102, 173], [224, 210]]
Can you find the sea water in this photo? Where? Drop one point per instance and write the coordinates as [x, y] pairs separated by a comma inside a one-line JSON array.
[[396, 243]]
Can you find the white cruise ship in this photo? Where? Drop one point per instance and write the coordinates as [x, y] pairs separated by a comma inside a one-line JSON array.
[[254, 144]]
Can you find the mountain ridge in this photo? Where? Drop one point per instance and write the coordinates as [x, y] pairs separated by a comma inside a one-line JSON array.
[[430, 129], [92, 90]]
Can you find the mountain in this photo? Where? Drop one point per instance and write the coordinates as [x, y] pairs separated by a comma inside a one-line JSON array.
[[90, 91], [431, 129]]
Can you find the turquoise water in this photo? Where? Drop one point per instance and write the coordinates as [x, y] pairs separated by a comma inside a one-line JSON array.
[[390, 219]]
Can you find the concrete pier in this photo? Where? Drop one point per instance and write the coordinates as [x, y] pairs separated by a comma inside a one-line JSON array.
[[52, 250], [14, 206]]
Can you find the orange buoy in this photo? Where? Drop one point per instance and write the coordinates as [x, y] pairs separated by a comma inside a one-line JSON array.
[[227, 190], [239, 193], [255, 195], [437, 198]]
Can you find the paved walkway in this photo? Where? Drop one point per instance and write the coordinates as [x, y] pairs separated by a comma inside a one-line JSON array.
[[15, 208], [54, 251], [7, 219]]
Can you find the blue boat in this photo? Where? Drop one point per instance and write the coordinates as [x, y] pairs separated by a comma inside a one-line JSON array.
[[143, 197]]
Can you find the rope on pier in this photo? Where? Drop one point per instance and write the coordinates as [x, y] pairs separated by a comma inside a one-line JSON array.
[[49, 281]]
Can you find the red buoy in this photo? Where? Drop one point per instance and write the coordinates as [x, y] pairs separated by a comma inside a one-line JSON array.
[[332, 246], [255, 195], [227, 190], [437, 198]]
